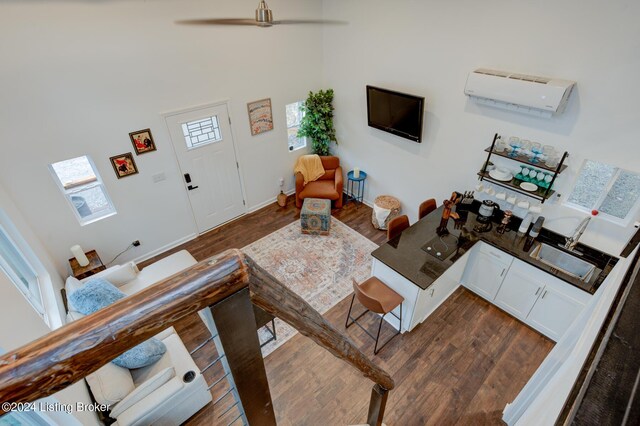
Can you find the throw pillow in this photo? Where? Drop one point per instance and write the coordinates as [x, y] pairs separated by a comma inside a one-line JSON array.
[[99, 293], [120, 275], [146, 353], [93, 296], [142, 391], [71, 285], [110, 384]]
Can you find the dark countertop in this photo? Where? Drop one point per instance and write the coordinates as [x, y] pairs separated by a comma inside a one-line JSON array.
[[405, 254]]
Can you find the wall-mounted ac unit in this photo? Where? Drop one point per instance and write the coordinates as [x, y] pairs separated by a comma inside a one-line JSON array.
[[525, 93]]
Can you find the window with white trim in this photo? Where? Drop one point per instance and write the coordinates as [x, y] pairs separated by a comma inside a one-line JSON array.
[[82, 186], [613, 191], [294, 117], [16, 266]]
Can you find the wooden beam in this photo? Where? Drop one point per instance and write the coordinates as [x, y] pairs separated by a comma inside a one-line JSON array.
[[70, 353], [377, 405], [236, 325], [272, 296]]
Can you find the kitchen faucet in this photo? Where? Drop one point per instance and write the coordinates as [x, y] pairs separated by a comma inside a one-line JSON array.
[[572, 241]]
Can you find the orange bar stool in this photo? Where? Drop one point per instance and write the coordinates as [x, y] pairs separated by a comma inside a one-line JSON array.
[[396, 226], [426, 207], [378, 298]]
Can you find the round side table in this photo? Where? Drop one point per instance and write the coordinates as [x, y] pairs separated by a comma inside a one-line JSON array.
[[356, 183]]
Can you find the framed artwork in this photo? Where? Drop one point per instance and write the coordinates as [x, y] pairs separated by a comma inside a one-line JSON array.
[[124, 165], [260, 117], [142, 141]]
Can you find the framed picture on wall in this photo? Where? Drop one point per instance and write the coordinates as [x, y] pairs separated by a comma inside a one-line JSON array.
[[260, 116], [124, 165], [142, 141]]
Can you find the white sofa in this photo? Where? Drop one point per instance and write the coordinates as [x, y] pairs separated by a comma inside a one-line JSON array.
[[157, 394]]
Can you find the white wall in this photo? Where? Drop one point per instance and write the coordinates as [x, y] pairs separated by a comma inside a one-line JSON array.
[[428, 48], [78, 76], [20, 325]]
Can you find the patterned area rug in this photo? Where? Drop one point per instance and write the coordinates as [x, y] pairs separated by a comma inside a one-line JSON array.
[[318, 268]]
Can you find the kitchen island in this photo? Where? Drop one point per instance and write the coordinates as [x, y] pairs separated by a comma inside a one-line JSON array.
[[425, 267]]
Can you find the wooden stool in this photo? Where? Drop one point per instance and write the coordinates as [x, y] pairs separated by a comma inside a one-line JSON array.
[[385, 202]]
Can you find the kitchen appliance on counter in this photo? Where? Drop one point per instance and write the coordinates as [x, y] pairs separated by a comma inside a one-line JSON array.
[[485, 214]]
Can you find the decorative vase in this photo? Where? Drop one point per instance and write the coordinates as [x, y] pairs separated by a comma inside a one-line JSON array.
[[282, 199]]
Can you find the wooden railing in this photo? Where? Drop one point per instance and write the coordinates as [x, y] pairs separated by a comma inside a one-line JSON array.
[[70, 353]]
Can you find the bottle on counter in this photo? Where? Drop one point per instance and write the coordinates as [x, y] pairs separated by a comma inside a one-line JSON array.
[[533, 234], [524, 225]]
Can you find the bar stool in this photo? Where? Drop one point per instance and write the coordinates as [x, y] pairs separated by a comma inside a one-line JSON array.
[[396, 226], [374, 295], [426, 207]]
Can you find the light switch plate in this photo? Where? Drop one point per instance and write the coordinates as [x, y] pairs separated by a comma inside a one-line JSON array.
[[159, 177]]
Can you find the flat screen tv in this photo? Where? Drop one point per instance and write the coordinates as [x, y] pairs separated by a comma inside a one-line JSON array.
[[395, 112]]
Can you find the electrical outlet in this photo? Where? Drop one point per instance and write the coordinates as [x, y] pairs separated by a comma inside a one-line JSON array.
[[136, 243]]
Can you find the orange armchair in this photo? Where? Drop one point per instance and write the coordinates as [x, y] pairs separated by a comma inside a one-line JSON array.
[[328, 186]]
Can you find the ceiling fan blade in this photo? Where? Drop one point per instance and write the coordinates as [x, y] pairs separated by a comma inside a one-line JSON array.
[[309, 21], [223, 21]]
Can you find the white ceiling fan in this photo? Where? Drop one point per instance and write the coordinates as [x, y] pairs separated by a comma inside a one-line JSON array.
[[264, 18]]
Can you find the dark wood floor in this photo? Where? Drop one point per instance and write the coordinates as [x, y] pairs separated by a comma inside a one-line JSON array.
[[461, 366]]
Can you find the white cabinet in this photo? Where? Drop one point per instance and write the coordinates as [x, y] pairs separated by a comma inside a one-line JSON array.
[[485, 271], [556, 309], [431, 298], [519, 291], [535, 297], [418, 303], [540, 300]]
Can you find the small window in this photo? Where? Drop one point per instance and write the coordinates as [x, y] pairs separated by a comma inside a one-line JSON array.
[[81, 184], [612, 191], [20, 272], [294, 117], [201, 132]]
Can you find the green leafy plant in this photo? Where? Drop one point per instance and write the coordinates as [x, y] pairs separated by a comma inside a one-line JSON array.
[[317, 121]]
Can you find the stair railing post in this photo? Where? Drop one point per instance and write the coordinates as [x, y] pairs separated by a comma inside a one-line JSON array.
[[236, 324], [377, 405]]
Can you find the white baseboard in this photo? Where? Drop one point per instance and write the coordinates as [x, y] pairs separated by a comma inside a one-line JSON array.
[[164, 248], [190, 237], [269, 201], [365, 201]]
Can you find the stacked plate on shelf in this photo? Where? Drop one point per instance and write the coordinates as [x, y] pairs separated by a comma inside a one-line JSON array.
[[501, 174]]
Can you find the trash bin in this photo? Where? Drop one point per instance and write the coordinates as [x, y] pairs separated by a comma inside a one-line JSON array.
[[81, 205]]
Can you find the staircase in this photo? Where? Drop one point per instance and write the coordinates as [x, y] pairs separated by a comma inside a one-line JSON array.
[[230, 285]]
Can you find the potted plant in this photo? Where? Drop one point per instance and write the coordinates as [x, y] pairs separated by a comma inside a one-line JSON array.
[[317, 121]]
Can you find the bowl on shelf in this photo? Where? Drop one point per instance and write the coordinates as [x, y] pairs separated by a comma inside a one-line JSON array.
[[501, 174]]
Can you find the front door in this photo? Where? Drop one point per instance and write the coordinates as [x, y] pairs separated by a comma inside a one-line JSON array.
[[204, 146]]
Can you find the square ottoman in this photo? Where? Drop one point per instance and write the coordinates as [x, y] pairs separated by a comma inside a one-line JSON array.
[[315, 216]]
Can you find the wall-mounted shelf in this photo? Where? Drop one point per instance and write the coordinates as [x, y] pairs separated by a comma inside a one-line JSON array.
[[541, 194], [525, 160]]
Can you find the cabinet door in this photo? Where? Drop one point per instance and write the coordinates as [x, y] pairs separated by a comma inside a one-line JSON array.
[[554, 312], [484, 274], [519, 291], [434, 296]]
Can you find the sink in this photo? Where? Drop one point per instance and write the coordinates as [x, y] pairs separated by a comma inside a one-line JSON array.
[[563, 261]]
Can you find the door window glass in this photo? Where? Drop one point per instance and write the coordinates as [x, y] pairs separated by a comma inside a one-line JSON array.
[[201, 132]]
